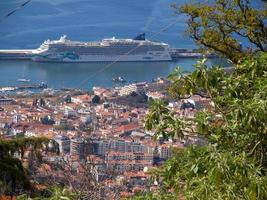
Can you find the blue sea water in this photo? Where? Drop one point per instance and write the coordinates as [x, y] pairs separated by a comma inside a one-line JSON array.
[[87, 20], [90, 20]]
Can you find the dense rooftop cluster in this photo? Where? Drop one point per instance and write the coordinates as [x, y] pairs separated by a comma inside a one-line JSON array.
[[103, 129]]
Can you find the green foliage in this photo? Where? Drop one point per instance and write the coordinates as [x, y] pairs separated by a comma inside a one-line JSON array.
[[12, 173], [234, 165], [154, 196], [64, 127], [164, 121], [215, 26], [239, 118], [207, 173], [55, 193], [47, 120]]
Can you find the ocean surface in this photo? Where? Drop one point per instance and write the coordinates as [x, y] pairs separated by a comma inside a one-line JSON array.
[[86, 75], [90, 20]]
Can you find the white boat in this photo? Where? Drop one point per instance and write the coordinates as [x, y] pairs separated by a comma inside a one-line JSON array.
[[119, 80], [6, 89], [107, 50], [24, 80]]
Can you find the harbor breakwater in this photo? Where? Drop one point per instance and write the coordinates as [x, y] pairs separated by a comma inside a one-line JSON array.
[[26, 54]]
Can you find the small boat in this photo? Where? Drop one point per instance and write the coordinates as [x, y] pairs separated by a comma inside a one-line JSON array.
[[7, 89], [119, 80], [24, 80]]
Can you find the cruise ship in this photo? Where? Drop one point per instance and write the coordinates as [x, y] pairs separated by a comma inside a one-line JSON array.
[[107, 50]]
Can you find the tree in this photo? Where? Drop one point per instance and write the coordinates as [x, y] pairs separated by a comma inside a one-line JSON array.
[[207, 173], [234, 163], [13, 176], [96, 99], [238, 120], [54, 193], [47, 120], [221, 27]]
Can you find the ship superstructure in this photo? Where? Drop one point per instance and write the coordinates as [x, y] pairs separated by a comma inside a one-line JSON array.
[[107, 50]]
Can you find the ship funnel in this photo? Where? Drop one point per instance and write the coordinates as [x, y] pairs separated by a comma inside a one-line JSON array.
[[140, 37]]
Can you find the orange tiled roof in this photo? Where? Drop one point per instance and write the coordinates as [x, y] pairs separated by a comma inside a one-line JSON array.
[[4, 197], [127, 127], [125, 194]]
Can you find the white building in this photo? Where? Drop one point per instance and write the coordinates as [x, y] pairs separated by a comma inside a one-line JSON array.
[[135, 87]]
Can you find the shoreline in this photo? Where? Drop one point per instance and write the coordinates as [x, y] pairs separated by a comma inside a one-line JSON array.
[[26, 54]]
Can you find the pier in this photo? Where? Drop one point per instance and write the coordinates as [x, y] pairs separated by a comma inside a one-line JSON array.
[[176, 54], [23, 87], [32, 86], [22, 54]]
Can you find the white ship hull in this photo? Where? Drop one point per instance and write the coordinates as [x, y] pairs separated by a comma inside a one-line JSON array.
[[104, 58]]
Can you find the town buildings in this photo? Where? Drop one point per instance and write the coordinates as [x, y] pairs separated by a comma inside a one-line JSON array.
[[103, 129]]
